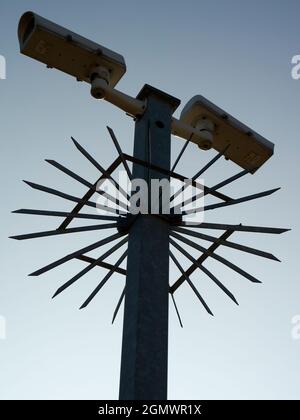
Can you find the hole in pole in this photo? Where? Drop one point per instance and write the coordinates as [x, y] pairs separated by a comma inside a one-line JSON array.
[[159, 124]]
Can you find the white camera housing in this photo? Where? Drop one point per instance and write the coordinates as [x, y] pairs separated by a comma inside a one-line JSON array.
[[67, 51], [247, 148]]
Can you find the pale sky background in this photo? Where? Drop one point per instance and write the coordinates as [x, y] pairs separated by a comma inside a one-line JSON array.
[[237, 54]]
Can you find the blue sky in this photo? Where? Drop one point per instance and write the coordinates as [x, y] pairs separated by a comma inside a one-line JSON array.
[[238, 55]]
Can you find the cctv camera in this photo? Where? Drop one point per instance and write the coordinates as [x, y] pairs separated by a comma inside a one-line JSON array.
[[246, 148], [64, 50]]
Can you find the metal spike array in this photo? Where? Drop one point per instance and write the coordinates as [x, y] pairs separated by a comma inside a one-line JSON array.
[[181, 231]]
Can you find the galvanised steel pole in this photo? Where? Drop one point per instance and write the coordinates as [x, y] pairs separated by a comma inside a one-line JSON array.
[[144, 361]]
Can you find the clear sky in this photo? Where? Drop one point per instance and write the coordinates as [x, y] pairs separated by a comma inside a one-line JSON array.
[[237, 54]]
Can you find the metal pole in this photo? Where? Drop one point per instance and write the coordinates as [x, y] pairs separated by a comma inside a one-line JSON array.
[[144, 361]]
